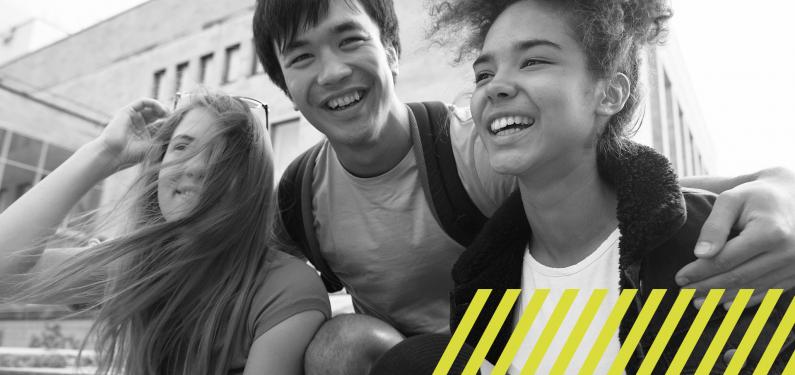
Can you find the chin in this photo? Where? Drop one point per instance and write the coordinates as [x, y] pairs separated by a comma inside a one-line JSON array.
[[507, 165]]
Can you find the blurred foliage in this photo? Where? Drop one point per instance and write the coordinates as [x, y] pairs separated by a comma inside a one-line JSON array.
[[53, 338], [46, 360]]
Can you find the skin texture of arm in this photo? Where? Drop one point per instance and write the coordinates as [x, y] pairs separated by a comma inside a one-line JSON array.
[[761, 207], [31, 219], [36, 215], [281, 349]]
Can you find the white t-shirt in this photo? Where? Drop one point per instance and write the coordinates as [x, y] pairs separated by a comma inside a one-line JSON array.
[[379, 236], [600, 270]]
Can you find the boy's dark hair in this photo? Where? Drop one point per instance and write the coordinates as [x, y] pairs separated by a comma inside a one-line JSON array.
[[611, 32], [277, 22]]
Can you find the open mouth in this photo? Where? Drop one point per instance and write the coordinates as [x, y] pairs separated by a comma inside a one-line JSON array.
[[345, 101], [184, 193], [510, 124]]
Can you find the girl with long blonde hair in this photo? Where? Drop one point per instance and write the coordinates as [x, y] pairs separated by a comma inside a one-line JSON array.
[[191, 287]]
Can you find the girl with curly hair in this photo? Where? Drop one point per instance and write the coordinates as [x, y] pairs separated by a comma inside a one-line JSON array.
[[556, 93], [191, 287]]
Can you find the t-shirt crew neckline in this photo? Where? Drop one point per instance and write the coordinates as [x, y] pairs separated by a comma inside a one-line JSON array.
[[548, 271], [401, 167]]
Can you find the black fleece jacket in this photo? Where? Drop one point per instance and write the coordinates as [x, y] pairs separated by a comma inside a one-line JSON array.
[[659, 225]]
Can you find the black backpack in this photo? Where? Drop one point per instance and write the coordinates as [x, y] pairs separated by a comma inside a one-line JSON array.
[[450, 204]]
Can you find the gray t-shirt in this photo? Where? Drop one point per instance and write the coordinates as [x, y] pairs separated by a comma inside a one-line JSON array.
[[380, 238], [290, 287]]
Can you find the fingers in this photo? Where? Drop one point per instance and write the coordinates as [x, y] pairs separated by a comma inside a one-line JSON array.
[[144, 111], [725, 267], [139, 114], [729, 296], [775, 276], [151, 106], [716, 229]]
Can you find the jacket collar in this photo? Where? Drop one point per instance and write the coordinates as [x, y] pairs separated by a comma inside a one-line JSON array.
[[650, 210]]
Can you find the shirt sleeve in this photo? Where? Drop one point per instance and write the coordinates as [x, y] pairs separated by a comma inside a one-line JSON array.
[[291, 287], [487, 188]]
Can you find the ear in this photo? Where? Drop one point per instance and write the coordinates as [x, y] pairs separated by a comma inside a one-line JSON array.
[[392, 59], [615, 95]]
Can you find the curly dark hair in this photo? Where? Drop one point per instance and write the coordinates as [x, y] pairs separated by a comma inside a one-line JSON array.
[[612, 33]]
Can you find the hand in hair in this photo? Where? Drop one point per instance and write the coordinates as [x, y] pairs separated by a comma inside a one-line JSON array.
[[762, 256], [30, 220], [129, 133]]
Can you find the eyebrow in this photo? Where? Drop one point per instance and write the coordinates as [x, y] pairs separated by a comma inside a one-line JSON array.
[[338, 29], [293, 45], [519, 46], [182, 137]]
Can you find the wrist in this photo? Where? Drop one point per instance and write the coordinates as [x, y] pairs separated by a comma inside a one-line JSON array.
[[105, 159]]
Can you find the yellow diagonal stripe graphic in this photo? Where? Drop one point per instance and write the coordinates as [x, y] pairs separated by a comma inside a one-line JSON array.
[[631, 342], [693, 334], [749, 339], [496, 322], [549, 331], [460, 335], [667, 329], [608, 331], [725, 329], [790, 369], [779, 337], [591, 308], [520, 331]]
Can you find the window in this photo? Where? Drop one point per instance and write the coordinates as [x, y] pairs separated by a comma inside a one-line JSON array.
[[179, 80], [205, 65], [256, 66], [25, 150], [158, 83], [684, 130], [16, 181], [231, 64], [55, 157], [671, 124], [26, 160], [693, 152], [290, 138]]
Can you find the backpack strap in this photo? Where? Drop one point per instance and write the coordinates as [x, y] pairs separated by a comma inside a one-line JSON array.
[[450, 203], [297, 218]]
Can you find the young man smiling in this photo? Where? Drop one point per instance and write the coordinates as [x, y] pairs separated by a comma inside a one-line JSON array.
[[338, 60]]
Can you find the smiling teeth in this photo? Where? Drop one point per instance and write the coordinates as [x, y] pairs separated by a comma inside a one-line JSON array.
[[344, 101], [186, 194], [501, 123]]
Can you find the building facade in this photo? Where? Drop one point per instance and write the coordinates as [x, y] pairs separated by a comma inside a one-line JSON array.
[[672, 122], [27, 36]]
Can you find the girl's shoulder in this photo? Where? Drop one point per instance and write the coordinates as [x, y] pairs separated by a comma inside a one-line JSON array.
[[289, 287]]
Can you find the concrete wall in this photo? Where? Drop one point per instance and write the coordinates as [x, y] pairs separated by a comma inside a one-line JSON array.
[[38, 120]]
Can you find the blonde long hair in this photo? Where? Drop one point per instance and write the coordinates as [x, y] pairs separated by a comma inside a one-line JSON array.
[[176, 295]]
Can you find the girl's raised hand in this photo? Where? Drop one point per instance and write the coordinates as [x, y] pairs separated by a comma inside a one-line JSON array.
[[127, 136]]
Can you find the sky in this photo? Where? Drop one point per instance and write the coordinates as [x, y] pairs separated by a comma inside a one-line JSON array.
[[740, 59]]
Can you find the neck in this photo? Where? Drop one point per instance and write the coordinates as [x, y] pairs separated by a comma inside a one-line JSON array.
[[378, 154], [571, 213]]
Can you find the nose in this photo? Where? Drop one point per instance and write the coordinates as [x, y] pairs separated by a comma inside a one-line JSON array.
[[500, 88], [333, 70], [195, 167]]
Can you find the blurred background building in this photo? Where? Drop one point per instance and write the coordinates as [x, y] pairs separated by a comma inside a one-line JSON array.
[[57, 97], [27, 36]]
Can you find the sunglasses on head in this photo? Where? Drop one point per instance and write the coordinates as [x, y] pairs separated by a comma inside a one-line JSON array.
[[256, 107]]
